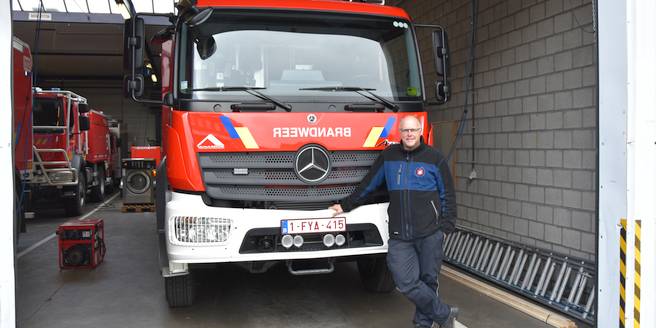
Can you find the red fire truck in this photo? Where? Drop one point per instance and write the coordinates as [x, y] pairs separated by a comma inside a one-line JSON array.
[[72, 151], [272, 111], [22, 133]]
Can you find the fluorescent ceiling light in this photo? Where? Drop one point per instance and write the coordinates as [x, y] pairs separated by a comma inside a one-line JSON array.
[[163, 6], [98, 7], [122, 9], [76, 6], [142, 6]]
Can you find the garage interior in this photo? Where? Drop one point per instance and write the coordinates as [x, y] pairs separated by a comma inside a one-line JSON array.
[[525, 171]]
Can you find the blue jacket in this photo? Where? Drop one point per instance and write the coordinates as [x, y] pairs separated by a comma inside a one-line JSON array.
[[420, 187]]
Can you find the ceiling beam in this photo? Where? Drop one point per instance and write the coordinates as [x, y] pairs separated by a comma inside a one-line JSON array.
[[59, 17]]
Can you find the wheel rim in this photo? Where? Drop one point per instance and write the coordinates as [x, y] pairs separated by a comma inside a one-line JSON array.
[[81, 191], [102, 185]]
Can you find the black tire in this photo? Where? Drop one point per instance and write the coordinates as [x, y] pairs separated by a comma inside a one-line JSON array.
[[75, 205], [374, 274], [19, 224], [98, 192], [179, 290], [19, 208]]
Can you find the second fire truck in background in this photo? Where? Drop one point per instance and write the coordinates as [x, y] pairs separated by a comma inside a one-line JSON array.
[[72, 151]]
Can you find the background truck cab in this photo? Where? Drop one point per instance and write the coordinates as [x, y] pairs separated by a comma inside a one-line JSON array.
[[72, 151]]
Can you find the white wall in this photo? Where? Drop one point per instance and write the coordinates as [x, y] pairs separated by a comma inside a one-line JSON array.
[[7, 281]]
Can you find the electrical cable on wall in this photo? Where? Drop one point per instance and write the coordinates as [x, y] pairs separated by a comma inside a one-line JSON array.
[[469, 86]]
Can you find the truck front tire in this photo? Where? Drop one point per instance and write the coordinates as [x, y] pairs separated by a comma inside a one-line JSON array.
[[179, 290], [75, 205], [374, 274]]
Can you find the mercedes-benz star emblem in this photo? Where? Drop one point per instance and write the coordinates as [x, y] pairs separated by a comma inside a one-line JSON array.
[[312, 164]]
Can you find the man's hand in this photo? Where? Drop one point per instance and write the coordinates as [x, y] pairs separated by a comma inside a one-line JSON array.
[[337, 208]]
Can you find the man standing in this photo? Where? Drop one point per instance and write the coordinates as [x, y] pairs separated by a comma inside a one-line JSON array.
[[421, 210]]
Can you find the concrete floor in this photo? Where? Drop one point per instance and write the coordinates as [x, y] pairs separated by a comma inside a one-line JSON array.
[[127, 290]]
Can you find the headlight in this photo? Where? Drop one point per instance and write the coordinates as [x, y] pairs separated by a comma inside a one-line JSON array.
[[61, 176], [198, 230]]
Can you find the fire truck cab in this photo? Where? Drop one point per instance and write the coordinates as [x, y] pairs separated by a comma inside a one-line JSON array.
[[72, 151], [272, 111]]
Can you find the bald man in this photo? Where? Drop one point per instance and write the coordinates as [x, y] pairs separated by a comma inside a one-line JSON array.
[[422, 208]]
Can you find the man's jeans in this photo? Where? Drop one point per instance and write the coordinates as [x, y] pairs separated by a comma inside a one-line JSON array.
[[415, 266]]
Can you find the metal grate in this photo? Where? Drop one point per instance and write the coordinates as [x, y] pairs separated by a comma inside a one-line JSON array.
[[271, 178], [557, 281], [255, 193], [280, 176]]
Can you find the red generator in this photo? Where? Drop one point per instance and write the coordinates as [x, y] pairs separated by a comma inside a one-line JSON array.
[[81, 244]]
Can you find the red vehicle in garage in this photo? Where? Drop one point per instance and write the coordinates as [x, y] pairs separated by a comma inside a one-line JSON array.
[[72, 151], [22, 133], [272, 111]]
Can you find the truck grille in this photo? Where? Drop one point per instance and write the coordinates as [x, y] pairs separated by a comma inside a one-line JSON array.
[[271, 176]]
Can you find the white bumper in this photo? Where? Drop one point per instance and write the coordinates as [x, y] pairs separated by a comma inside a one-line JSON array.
[[244, 220]]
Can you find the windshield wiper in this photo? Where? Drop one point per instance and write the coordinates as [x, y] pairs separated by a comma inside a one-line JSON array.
[[251, 90], [365, 92]]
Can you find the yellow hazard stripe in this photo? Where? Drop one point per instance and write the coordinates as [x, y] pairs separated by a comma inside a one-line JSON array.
[[246, 137], [622, 272], [375, 133], [636, 290]]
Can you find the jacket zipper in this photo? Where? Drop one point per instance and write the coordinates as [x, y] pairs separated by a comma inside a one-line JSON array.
[[398, 180], [437, 215], [407, 198]]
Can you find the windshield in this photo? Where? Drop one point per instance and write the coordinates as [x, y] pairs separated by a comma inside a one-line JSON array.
[[284, 53], [48, 112]]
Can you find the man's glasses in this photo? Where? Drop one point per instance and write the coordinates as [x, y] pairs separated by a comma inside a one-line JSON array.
[[410, 130]]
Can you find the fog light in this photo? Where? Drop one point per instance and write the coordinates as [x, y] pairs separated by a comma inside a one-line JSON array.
[[298, 241], [287, 241], [340, 240], [329, 240]]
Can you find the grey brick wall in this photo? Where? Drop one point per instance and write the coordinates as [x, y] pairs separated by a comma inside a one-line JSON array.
[[535, 107]]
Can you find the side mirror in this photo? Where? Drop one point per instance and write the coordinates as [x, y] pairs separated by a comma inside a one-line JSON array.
[[134, 46], [83, 108], [85, 124], [206, 47], [167, 99], [441, 55]]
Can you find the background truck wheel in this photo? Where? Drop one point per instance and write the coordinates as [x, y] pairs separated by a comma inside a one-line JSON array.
[[179, 290], [74, 205], [374, 274], [19, 225], [98, 192]]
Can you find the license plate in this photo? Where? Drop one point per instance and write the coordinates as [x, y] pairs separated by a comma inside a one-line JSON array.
[[312, 225]]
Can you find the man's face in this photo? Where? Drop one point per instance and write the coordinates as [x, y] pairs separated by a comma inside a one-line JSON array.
[[410, 129]]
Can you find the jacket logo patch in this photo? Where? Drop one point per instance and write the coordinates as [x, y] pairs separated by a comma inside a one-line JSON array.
[[210, 142], [420, 172]]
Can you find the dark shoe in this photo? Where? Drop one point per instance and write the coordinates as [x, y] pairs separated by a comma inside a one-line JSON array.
[[451, 319]]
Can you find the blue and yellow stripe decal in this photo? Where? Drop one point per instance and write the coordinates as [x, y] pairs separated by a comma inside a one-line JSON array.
[[241, 133], [378, 132]]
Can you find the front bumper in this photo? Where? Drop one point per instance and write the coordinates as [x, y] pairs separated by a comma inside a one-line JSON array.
[[245, 220]]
